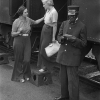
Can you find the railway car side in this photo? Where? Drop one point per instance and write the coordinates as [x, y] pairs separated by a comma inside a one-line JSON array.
[[35, 9], [90, 15]]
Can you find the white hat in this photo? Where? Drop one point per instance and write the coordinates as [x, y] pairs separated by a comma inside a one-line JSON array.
[[50, 2]]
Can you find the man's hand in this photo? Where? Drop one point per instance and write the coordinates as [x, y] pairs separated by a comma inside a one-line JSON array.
[[68, 36]]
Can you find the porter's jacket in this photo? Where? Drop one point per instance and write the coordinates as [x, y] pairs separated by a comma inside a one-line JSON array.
[[70, 52]]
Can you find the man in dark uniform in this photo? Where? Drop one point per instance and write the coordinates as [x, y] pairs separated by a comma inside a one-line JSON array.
[[73, 37]]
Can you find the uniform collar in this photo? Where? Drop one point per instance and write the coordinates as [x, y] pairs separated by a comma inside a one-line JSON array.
[[75, 21]]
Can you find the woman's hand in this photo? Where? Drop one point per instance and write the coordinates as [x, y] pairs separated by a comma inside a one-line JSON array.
[[19, 30], [53, 40], [17, 33]]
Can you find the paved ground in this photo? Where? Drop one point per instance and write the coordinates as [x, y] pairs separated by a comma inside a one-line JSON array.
[[27, 91]]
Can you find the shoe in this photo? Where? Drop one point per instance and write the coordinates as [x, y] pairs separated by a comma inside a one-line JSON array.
[[15, 80], [22, 80], [27, 79], [43, 69], [60, 98]]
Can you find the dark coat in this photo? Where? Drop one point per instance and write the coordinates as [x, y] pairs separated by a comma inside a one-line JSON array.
[[70, 53]]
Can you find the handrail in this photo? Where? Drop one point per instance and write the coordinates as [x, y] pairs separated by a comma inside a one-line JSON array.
[[16, 11]]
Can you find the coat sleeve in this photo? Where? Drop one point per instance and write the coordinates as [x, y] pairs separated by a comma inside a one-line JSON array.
[[60, 34], [80, 41]]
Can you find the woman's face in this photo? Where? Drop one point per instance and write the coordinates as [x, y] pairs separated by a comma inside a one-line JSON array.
[[25, 13], [45, 5]]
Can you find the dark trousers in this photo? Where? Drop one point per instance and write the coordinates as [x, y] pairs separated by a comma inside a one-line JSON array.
[[69, 82], [22, 53], [46, 39]]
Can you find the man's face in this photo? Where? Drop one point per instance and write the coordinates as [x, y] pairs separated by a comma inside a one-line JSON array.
[[72, 15], [72, 18]]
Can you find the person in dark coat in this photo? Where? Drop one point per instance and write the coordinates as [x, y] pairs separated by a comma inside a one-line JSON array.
[[47, 35], [73, 37], [22, 45]]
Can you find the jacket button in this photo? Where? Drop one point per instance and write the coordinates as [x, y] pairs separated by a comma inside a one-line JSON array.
[[65, 50]]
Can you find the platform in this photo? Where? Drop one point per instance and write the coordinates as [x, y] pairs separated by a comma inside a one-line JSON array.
[[10, 90], [89, 74]]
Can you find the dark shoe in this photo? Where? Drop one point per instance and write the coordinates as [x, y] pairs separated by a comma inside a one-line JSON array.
[[60, 98], [15, 80]]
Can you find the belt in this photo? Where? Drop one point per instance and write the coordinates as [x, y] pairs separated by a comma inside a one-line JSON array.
[[48, 25], [25, 34]]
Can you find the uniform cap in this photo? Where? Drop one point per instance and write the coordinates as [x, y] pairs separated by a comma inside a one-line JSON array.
[[73, 9]]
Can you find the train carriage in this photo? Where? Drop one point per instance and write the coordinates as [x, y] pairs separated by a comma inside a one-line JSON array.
[[89, 14], [35, 8]]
